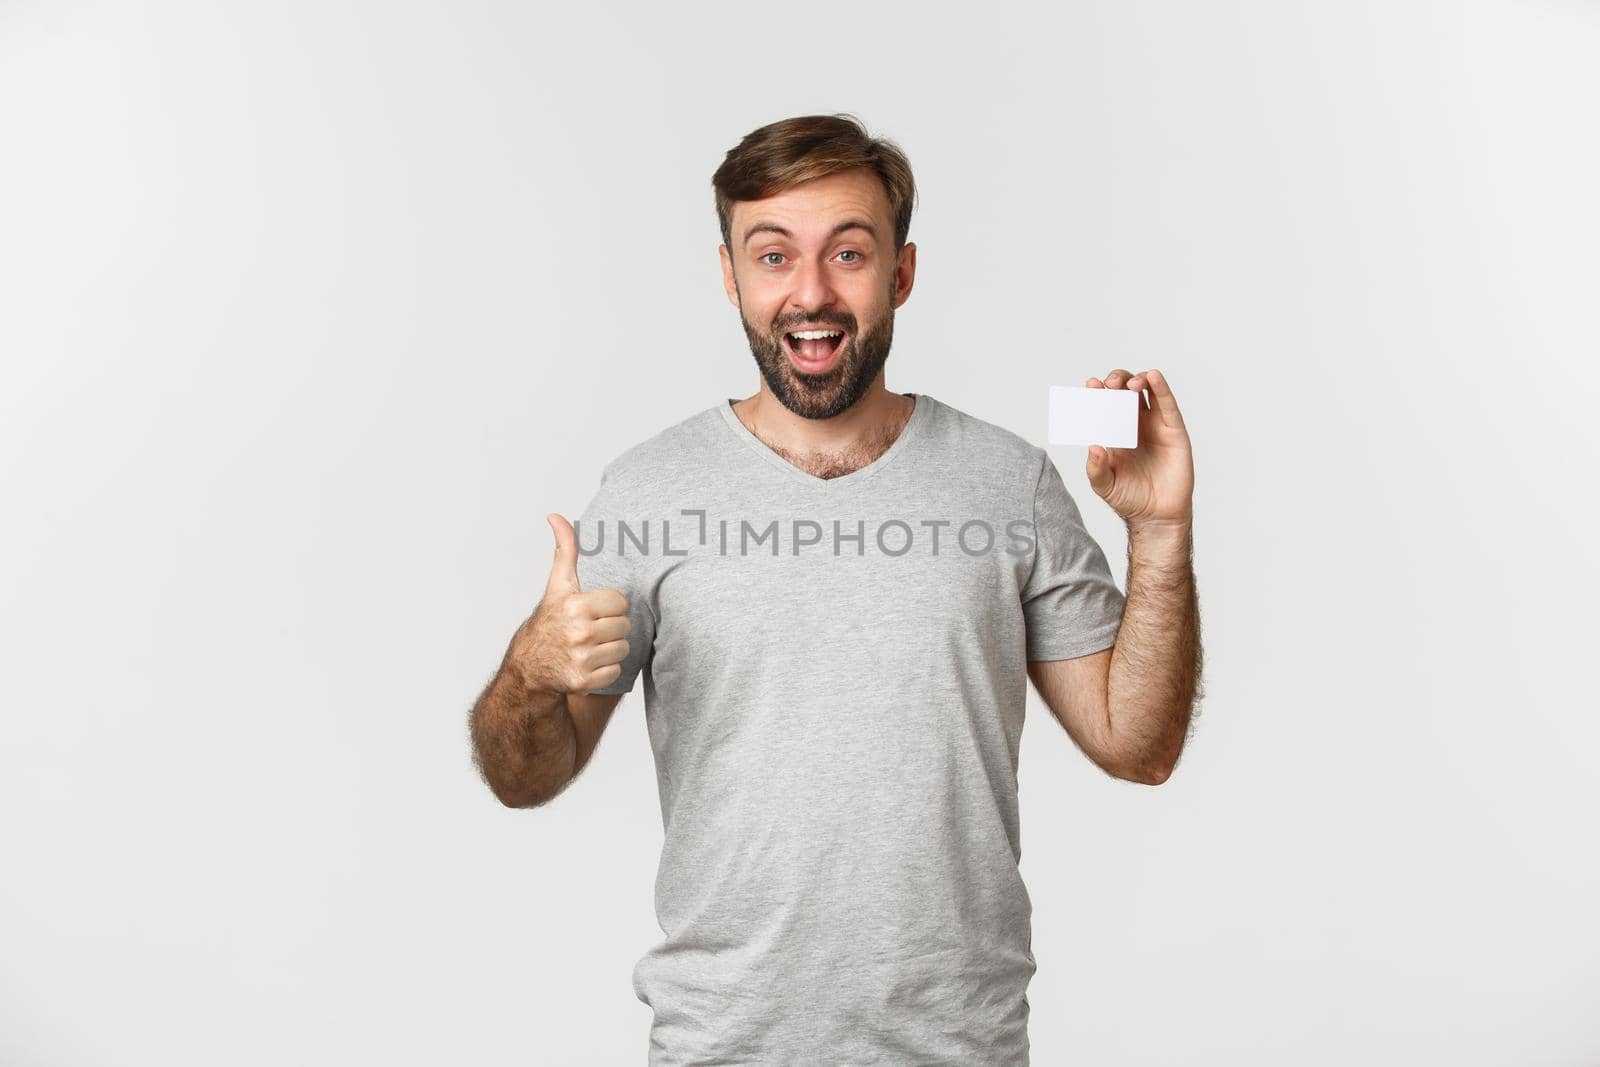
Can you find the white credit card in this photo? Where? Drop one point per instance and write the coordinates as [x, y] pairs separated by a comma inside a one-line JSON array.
[[1105, 417]]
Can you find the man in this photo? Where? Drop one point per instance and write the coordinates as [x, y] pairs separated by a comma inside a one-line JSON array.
[[834, 593]]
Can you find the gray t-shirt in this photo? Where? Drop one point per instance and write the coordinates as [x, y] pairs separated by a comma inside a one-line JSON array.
[[834, 683]]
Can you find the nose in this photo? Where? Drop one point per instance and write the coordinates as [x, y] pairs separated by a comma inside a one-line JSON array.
[[812, 290]]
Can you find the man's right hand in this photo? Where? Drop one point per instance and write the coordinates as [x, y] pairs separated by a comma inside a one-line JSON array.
[[575, 641]]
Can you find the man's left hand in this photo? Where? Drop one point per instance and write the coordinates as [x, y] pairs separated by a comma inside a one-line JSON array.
[[1151, 485]]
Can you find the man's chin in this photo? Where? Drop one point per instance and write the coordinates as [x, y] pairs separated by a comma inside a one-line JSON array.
[[834, 375], [811, 396]]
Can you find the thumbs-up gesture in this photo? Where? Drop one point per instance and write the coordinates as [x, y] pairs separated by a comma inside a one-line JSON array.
[[575, 641]]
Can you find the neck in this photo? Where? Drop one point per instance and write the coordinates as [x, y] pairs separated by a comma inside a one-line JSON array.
[[828, 447]]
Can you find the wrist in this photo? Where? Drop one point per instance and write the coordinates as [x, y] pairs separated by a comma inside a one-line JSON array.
[[1158, 535], [1162, 527]]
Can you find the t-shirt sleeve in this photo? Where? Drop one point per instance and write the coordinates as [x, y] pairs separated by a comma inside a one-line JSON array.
[[602, 566], [1070, 602]]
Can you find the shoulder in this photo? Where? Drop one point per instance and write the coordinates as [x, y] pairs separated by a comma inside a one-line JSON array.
[[988, 446], [671, 450]]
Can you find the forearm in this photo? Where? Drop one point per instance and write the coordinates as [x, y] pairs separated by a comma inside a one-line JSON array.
[[1155, 666], [523, 740]]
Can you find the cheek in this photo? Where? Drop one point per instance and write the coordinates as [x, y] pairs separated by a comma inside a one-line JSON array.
[[757, 309], [872, 303]]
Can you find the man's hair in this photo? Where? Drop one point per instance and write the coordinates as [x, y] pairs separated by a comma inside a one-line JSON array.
[[783, 154]]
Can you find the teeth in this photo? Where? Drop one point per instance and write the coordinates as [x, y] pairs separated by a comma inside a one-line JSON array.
[[814, 335]]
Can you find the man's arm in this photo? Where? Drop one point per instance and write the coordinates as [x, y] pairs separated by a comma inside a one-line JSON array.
[[530, 744], [1129, 707], [1134, 719], [538, 720]]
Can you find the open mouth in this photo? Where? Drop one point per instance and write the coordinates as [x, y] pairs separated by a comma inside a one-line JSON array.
[[814, 351]]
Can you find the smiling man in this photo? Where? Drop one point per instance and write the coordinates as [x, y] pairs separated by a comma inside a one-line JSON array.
[[835, 596], [799, 308]]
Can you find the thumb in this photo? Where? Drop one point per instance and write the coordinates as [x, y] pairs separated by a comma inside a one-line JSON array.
[[564, 571], [1098, 469]]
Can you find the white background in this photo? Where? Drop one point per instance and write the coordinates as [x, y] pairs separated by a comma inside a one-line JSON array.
[[310, 312]]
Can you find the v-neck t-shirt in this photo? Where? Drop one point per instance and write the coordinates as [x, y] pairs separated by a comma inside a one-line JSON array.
[[834, 676]]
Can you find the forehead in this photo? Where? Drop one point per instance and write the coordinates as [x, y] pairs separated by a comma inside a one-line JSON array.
[[816, 205]]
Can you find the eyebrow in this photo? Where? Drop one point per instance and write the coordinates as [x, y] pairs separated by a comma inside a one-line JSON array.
[[847, 224]]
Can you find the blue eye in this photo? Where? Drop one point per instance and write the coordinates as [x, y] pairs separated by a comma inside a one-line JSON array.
[[765, 257], [850, 252]]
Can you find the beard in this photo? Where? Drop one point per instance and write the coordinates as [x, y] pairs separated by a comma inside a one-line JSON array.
[[822, 396]]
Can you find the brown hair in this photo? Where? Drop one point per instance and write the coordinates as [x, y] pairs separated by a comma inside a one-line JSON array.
[[785, 153]]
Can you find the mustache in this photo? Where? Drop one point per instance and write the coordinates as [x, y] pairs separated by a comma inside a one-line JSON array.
[[847, 323]]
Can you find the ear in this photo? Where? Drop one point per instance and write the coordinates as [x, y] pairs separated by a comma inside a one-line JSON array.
[[905, 273], [728, 283]]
